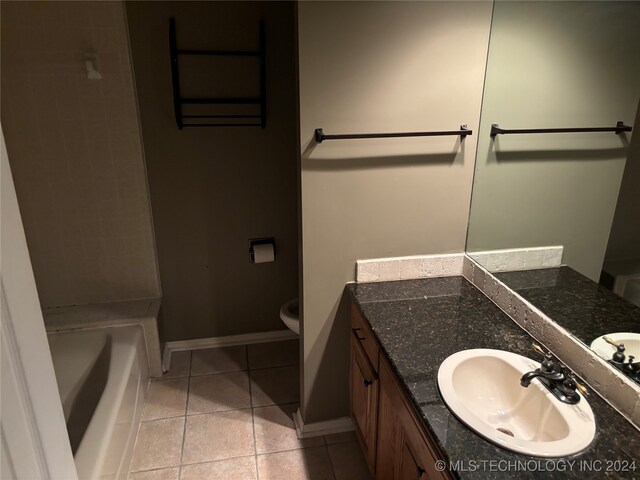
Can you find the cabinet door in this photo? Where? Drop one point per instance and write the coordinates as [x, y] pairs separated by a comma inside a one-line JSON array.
[[389, 430], [404, 452], [412, 467], [364, 400]]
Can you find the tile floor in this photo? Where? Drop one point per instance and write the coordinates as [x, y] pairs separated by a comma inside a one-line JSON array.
[[225, 413]]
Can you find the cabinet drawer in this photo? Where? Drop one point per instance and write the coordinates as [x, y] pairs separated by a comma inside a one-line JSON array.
[[363, 334]]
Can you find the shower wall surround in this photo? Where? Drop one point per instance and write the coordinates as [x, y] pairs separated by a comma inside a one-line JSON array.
[[75, 151]]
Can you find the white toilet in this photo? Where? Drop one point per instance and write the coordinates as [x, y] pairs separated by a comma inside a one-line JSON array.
[[290, 315]]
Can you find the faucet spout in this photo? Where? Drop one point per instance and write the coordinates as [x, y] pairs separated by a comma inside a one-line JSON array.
[[525, 381], [546, 377]]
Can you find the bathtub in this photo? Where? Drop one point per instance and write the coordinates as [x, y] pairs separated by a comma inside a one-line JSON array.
[[102, 379]]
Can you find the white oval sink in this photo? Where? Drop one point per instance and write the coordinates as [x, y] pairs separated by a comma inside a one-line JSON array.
[[482, 388], [631, 345]]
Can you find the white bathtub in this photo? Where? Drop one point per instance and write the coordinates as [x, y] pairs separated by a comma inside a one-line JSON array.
[[102, 378]]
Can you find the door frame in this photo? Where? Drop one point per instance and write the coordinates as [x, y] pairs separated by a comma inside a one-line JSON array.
[[34, 439]]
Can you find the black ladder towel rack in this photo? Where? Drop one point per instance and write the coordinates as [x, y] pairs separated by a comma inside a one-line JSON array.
[[179, 101]]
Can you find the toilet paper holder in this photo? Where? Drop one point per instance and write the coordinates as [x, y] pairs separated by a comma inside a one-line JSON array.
[[261, 241]]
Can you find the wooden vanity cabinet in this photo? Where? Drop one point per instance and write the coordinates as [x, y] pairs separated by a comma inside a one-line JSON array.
[[392, 436]]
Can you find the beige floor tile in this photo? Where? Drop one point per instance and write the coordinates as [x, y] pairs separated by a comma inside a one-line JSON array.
[[273, 386], [216, 393], [305, 464], [163, 474], [158, 445], [219, 360], [166, 398], [276, 432], [180, 365], [348, 462], [274, 354], [234, 469], [218, 436], [341, 437]]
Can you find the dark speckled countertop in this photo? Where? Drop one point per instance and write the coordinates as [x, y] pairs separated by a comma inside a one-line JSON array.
[[419, 323], [582, 307]]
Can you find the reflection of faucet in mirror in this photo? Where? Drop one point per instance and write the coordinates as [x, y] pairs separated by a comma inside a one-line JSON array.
[[623, 360]]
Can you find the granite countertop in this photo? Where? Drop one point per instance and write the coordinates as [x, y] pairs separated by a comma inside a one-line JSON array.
[[419, 323], [582, 307]]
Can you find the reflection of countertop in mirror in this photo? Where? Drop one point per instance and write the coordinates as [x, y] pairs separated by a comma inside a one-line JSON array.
[[419, 323], [582, 307]]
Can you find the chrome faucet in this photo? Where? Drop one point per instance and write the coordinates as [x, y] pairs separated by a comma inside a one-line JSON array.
[[555, 377]]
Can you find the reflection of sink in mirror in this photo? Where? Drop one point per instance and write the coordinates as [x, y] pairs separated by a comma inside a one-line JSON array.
[[482, 388], [631, 343]]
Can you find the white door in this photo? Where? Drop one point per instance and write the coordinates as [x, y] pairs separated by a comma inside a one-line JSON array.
[[34, 439]]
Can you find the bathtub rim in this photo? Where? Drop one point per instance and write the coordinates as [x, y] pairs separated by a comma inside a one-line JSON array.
[[143, 312]]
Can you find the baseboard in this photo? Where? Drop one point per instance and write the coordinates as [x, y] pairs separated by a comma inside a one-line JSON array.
[[328, 427], [226, 341]]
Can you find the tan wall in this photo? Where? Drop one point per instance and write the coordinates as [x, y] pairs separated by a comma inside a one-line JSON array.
[[379, 67], [76, 153], [555, 64], [212, 189], [624, 241]]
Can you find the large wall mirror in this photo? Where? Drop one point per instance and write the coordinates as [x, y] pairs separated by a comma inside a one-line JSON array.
[[556, 216]]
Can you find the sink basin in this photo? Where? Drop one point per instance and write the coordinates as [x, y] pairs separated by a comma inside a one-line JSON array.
[[631, 344], [482, 388]]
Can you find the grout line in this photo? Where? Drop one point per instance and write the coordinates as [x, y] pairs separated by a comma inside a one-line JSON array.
[[135, 442], [214, 461], [275, 366], [154, 469], [170, 417], [293, 449], [164, 379], [333, 467], [186, 409], [233, 371], [253, 420], [190, 464], [217, 373]]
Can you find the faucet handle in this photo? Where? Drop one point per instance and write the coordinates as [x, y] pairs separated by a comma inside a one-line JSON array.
[[582, 389], [631, 367], [571, 378], [547, 365], [541, 350], [568, 388]]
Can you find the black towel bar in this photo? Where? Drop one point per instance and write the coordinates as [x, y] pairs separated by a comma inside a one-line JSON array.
[[619, 128], [320, 136]]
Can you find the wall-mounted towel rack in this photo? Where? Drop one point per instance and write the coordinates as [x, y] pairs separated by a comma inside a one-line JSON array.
[[179, 101], [619, 128], [320, 136]]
